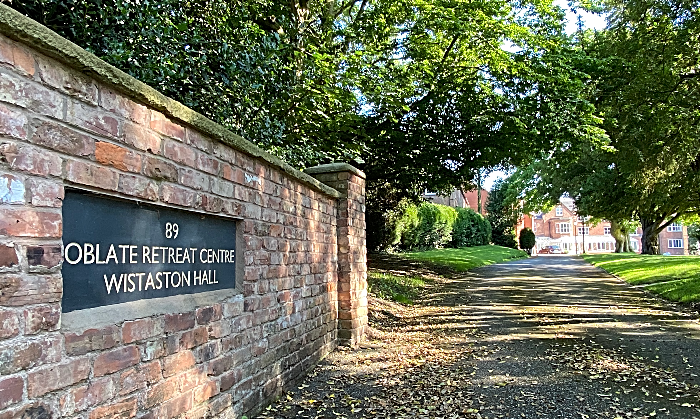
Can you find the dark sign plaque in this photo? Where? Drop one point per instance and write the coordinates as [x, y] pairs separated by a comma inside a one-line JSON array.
[[117, 251]]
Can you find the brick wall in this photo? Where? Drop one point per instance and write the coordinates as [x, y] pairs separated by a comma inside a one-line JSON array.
[[60, 128], [352, 249]]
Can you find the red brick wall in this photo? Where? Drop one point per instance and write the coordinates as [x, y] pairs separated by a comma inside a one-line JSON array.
[[665, 236], [352, 251], [60, 128]]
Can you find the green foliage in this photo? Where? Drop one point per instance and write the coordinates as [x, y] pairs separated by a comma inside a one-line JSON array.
[[644, 82], [419, 94], [527, 239], [676, 278], [402, 289], [435, 223], [210, 56], [470, 229], [694, 237], [503, 214], [466, 258], [427, 225], [387, 230]]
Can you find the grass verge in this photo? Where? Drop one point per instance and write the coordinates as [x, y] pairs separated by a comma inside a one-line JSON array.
[[676, 278], [402, 289], [467, 258]]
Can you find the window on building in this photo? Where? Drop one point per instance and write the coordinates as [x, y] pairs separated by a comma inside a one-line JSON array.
[[559, 211], [674, 227], [675, 243], [606, 230], [583, 230], [562, 228], [635, 245]]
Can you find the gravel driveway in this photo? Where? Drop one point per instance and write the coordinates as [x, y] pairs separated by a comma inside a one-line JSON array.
[[545, 337]]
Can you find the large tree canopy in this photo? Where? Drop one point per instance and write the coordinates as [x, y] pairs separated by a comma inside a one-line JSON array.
[[645, 84], [419, 92]]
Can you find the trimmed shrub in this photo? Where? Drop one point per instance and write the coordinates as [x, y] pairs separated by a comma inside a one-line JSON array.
[[527, 239], [470, 229], [427, 225], [405, 224], [433, 229]]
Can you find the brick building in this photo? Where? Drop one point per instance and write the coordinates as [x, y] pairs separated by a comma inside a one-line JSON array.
[[673, 240], [460, 199], [562, 230]]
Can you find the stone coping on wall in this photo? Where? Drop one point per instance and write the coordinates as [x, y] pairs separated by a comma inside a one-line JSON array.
[[335, 167], [16, 26]]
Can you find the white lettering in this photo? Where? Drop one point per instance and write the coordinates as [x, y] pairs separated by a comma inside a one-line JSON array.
[[133, 254], [149, 281], [113, 282], [97, 255], [88, 253], [132, 284], [123, 247], [112, 254], [140, 275], [160, 281], [80, 253], [145, 252], [179, 279]]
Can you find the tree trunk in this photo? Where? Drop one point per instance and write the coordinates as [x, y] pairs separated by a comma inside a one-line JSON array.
[[627, 247], [650, 237], [618, 233], [621, 233], [478, 192]]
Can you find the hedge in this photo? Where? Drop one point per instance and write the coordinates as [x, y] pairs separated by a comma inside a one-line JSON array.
[[470, 229], [426, 225]]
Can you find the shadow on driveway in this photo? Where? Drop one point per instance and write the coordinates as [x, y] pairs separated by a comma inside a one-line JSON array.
[[545, 337]]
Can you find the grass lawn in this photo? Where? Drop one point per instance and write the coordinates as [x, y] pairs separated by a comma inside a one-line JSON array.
[[402, 289], [676, 278], [467, 257], [386, 284]]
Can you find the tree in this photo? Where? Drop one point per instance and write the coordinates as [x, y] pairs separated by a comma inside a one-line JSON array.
[[621, 233], [644, 83], [502, 215], [527, 240], [420, 95], [694, 237], [649, 96]]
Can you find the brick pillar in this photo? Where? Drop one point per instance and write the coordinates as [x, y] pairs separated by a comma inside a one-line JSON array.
[[352, 248]]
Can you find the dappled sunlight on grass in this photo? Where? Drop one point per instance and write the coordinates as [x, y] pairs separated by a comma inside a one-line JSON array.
[[685, 291], [676, 278], [400, 288], [467, 258]]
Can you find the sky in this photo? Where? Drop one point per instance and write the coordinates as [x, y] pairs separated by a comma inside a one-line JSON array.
[[590, 21]]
